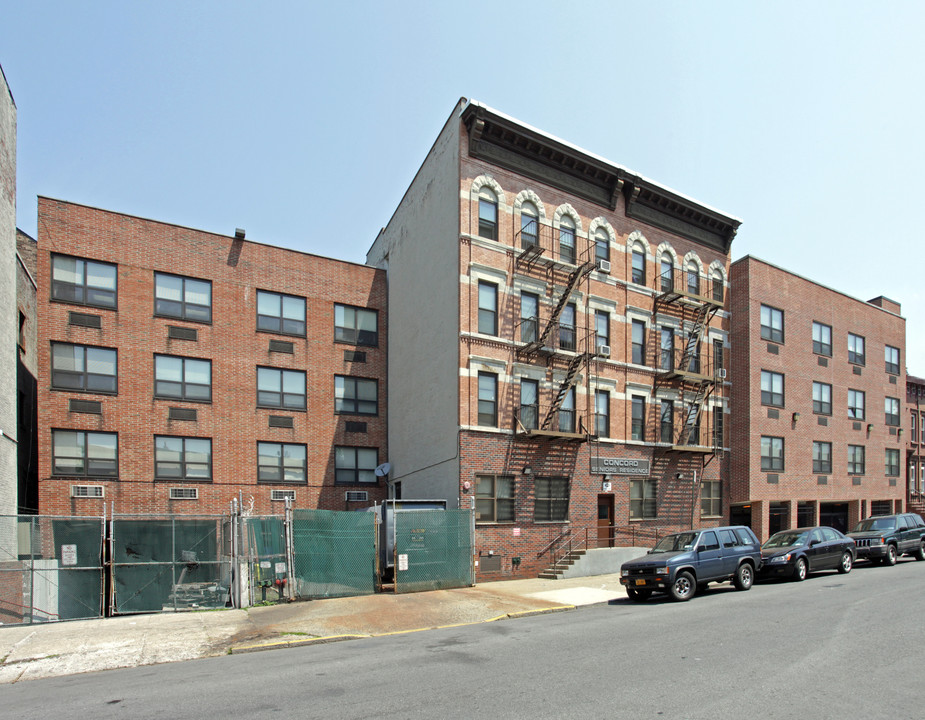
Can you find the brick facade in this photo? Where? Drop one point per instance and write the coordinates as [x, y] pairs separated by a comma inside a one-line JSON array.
[[914, 424], [231, 418]]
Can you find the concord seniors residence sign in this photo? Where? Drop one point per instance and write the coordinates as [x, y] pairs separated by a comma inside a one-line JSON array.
[[619, 466]]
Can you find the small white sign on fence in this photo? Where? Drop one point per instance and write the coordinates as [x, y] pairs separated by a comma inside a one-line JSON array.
[[69, 555], [402, 561]]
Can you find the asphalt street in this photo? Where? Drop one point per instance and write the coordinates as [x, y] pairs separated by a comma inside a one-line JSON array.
[[833, 646]]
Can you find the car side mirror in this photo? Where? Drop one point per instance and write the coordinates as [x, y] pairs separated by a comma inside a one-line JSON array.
[[813, 542]]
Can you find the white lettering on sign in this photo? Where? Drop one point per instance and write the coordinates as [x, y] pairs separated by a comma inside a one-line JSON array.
[[68, 555]]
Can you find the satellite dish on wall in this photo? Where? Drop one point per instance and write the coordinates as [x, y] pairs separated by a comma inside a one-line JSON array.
[[383, 469]]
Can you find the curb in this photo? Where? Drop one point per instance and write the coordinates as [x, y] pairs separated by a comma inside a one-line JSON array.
[[279, 644]]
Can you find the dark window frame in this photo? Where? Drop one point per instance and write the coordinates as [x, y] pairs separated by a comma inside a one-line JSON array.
[[891, 418], [820, 346], [891, 363], [281, 403], [643, 499], [602, 419], [184, 475], [638, 418], [530, 412], [822, 461], [502, 510], [351, 403], [84, 375], [711, 501], [770, 397], [666, 421], [354, 335], [853, 395], [183, 382], [638, 342], [84, 289], [281, 465], [276, 323], [185, 312], [854, 356], [488, 220], [486, 402], [355, 470], [822, 406], [85, 458], [770, 331], [553, 504], [487, 316], [772, 453], [857, 459], [891, 462]]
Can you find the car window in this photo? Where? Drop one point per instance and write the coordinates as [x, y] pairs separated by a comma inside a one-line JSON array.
[[674, 543], [917, 520], [708, 541], [829, 534], [901, 523], [816, 535], [729, 538], [877, 523], [788, 538], [745, 536]]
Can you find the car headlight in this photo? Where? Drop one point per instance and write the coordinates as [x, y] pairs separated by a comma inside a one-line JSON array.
[[624, 573], [779, 559], [661, 571]]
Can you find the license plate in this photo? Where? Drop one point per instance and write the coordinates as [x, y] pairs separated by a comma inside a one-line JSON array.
[[640, 582]]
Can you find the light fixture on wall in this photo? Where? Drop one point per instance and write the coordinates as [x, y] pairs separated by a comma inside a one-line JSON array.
[[870, 426], [796, 416], [527, 470]]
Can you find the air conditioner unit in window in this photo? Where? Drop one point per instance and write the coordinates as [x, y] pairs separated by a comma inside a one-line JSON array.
[[721, 373], [603, 350], [282, 495], [87, 491], [356, 496], [603, 266], [184, 493]]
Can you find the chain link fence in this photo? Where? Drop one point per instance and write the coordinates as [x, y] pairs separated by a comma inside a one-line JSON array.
[[434, 549], [264, 561]]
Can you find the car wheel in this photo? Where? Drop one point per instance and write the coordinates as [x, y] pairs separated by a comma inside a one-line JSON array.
[[744, 577], [847, 562], [891, 555], [638, 595], [799, 570], [920, 552], [683, 587]]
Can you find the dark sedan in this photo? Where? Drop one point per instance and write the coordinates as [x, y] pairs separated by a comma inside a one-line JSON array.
[[796, 553]]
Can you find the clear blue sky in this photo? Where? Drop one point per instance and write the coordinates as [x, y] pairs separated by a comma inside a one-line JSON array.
[[304, 122]]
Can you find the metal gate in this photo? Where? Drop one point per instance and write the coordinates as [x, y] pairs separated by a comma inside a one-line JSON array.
[[170, 563], [50, 568], [433, 549], [334, 553], [263, 559]]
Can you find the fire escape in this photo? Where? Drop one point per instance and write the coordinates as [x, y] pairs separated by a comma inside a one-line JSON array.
[[555, 339], [692, 370]]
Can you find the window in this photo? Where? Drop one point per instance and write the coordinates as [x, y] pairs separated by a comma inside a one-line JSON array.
[[638, 418], [891, 356], [856, 404], [602, 413], [529, 403], [855, 459], [711, 504], [182, 378], [855, 349], [718, 426], [822, 339], [285, 314], [922, 427], [822, 457], [891, 411], [639, 264], [693, 279], [488, 308], [281, 463], [567, 412], [772, 324], [355, 396], [355, 464], [718, 287], [83, 369], [639, 342], [601, 328], [567, 328], [891, 467], [280, 388], [488, 399], [601, 245], [353, 325], [718, 363], [567, 240], [772, 454], [915, 435], [772, 388], [822, 398], [912, 482], [182, 297], [488, 214], [85, 454], [494, 498], [83, 282], [552, 496], [666, 275], [529, 317], [642, 499], [693, 436], [666, 421], [182, 458], [666, 357], [529, 226]]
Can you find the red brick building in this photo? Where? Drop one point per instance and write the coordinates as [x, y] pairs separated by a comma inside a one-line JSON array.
[[179, 369], [557, 343], [818, 380], [914, 425]]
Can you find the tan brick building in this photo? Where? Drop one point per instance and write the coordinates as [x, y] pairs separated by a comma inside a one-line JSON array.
[[558, 335], [180, 369], [818, 381]]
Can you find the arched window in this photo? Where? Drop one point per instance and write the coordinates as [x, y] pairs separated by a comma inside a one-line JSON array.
[[717, 286], [601, 245], [639, 264], [666, 273], [488, 214], [529, 225], [567, 240], [693, 278]]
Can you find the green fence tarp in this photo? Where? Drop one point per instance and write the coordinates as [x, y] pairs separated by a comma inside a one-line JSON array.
[[334, 553], [433, 550]]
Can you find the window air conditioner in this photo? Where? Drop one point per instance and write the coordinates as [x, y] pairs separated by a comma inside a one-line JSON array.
[[282, 495], [87, 491], [184, 493], [603, 266], [721, 373], [604, 351], [356, 496]]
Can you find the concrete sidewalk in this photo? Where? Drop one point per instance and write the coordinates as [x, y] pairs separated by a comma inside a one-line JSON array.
[[29, 652]]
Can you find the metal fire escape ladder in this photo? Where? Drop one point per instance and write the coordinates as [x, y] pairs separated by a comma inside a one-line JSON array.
[[574, 278], [700, 321], [574, 367], [694, 411]]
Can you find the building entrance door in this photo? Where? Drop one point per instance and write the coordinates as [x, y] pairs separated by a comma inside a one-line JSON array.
[[605, 520], [834, 515]]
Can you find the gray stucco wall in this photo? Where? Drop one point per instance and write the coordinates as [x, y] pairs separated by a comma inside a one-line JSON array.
[[8, 310], [420, 250]]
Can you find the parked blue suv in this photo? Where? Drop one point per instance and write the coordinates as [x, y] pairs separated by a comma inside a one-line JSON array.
[[683, 562]]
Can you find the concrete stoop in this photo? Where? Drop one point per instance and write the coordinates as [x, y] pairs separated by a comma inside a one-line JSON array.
[[597, 561]]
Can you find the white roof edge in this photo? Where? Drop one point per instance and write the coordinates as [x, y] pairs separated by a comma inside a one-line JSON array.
[[604, 160]]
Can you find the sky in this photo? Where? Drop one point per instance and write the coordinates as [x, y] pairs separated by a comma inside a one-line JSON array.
[[305, 122]]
